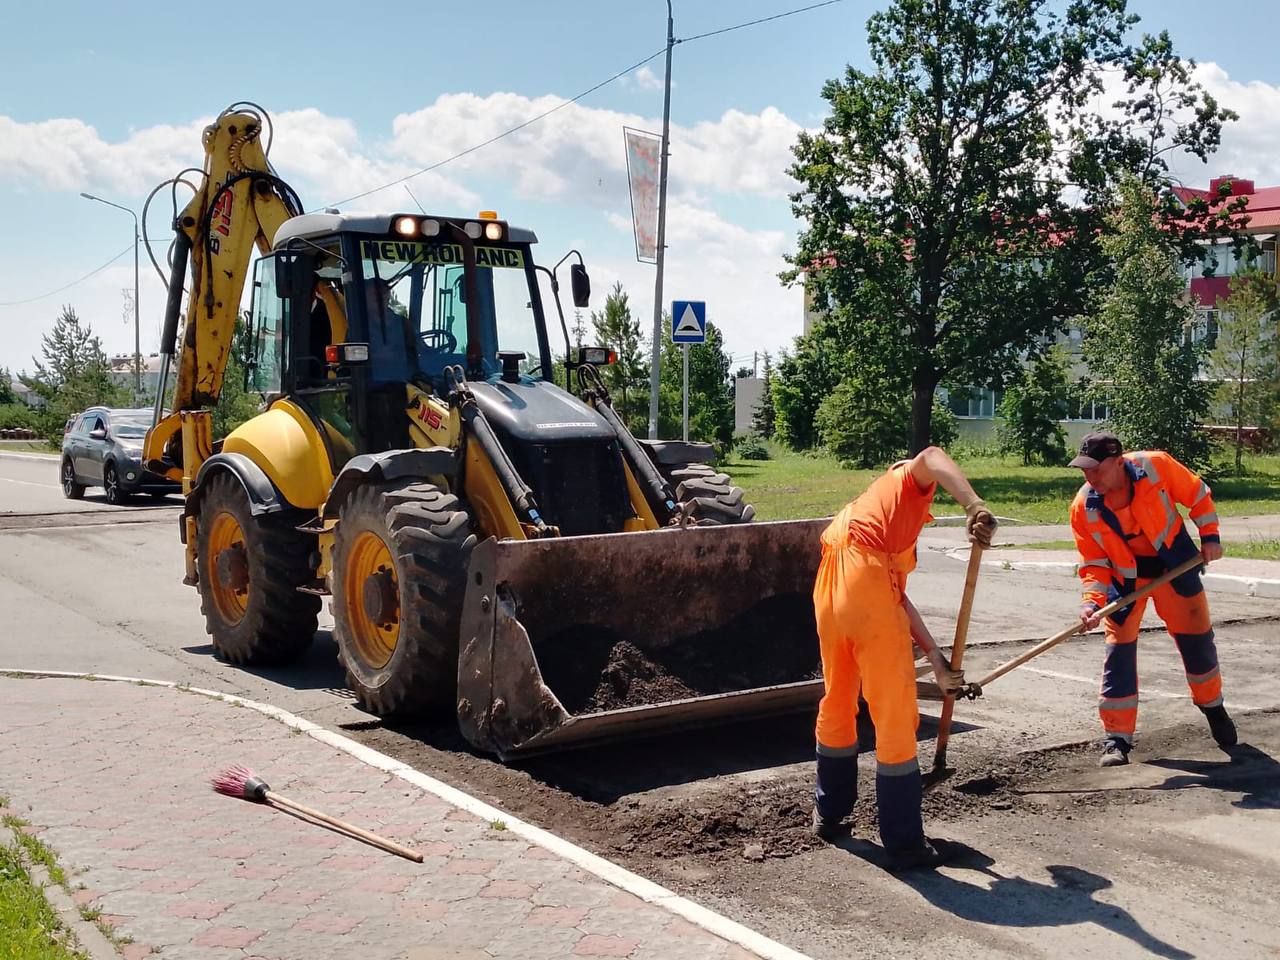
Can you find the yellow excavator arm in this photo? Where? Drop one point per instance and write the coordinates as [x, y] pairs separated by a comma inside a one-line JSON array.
[[240, 204]]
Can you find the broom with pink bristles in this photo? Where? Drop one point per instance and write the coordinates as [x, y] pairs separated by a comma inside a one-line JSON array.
[[241, 782]]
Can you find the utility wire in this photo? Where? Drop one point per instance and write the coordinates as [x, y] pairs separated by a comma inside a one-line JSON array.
[[560, 106], [494, 139], [504, 133], [65, 286], [752, 23]]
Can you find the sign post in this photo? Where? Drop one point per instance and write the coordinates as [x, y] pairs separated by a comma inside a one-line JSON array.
[[688, 326]]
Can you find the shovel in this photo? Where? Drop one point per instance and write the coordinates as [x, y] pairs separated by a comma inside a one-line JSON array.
[[940, 769], [1071, 630]]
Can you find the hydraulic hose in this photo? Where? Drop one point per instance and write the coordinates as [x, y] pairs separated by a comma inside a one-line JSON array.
[[659, 493]]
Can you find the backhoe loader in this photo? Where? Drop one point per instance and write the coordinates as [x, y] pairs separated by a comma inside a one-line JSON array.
[[493, 541]]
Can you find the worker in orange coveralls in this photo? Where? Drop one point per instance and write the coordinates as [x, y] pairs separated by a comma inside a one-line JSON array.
[[866, 626], [1128, 531]]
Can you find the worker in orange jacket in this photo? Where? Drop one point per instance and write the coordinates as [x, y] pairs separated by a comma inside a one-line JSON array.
[[866, 626], [1128, 531]]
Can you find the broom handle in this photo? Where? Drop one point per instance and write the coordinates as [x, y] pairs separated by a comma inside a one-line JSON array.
[[1077, 627], [388, 845], [957, 652]]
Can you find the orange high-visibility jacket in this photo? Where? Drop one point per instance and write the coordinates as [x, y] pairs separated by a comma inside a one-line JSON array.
[[1108, 567]]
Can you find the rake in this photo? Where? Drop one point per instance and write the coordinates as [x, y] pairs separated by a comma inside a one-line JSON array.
[[242, 782]]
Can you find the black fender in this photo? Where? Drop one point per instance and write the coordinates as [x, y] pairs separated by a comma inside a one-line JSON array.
[[262, 494], [389, 465], [669, 453]]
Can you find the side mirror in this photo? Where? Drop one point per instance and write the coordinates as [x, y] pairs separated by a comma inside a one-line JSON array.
[[99, 434], [295, 272], [581, 284]]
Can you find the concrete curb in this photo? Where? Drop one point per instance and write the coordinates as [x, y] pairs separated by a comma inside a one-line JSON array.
[[41, 457], [606, 870], [88, 937], [1265, 587]]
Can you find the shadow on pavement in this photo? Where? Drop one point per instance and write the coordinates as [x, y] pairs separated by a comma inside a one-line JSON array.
[[317, 670], [1019, 902], [1249, 770]]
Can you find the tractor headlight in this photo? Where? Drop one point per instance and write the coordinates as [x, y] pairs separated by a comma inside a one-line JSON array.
[[493, 231], [473, 230], [406, 226]]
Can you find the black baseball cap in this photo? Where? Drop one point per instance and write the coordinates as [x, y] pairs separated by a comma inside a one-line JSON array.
[[1096, 447]]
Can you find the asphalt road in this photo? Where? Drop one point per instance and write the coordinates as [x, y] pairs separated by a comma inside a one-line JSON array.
[[1174, 856]]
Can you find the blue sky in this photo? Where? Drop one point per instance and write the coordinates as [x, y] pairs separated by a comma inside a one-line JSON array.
[[109, 98]]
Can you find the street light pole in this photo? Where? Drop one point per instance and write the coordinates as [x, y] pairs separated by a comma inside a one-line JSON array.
[[137, 330], [656, 362]]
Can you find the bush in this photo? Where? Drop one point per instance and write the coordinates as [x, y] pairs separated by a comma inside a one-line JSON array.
[[864, 424], [18, 416], [752, 447]]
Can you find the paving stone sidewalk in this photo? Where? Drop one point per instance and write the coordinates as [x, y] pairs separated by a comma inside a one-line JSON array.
[[115, 778]]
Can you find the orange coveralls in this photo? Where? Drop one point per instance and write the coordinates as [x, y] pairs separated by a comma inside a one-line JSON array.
[[1122, 550], [865, 637]]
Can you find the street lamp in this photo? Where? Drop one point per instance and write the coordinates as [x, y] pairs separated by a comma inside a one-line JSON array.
[[137, 334]]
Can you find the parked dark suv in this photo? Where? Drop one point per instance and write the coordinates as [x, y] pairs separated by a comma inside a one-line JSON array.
[[103, 448]]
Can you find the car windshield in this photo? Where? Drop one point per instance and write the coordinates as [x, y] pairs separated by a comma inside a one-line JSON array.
[[127, 429], [417, 310]]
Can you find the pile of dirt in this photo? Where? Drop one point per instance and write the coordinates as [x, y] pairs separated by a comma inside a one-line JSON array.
[[629, 679], [590, 669], [743, 823]]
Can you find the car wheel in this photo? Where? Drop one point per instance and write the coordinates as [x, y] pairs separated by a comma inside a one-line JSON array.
[[111, 483], [71, 489]]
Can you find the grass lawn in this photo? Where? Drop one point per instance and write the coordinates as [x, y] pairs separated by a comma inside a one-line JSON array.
[[29, 927], [26, 446], [794, 486]]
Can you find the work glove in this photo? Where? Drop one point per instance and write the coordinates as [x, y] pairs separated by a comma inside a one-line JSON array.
[[949, 681], [980, 523]]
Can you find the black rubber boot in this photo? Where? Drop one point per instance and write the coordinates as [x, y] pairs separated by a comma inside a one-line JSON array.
[[1115, 753], [827, 829], [1221, 725], [928, 855]]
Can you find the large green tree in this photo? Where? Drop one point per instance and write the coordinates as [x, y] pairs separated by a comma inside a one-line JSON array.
[[1244, 354], [763, 417], [236, 403], [710, 393], [618, 328], [1137, 344], [1032, 405], [72, 372], [953, 198]]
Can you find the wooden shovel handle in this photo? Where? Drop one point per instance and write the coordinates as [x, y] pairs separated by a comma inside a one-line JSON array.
[[1072, 629], [381, 842], [957, 652]]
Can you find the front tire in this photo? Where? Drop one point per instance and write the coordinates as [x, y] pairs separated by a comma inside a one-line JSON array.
[[71, 488], [399, 575], [111, 484], [249, 570], [708, 497]]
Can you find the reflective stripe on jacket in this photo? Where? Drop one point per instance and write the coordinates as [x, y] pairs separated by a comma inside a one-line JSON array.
[[1108, 567]]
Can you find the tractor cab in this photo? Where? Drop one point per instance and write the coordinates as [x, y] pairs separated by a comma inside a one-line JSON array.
[[350, 309]]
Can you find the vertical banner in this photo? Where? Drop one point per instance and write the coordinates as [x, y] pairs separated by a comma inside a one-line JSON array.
[[643, 169]]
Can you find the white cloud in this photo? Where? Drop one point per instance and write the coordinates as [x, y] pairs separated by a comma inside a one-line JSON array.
[[646, 79], [573, 158]]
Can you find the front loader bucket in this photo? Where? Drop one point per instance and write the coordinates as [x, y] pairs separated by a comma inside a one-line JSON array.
[[583, 639]]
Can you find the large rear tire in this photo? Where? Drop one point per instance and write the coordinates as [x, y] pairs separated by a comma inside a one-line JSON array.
[[249, 570], [399, 575], [708, 497]]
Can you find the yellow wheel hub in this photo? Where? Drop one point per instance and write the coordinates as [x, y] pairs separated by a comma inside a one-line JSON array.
[[229, 579], [372, 597]]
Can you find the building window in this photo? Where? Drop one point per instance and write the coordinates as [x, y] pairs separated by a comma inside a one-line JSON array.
[[1087, 410], [976, 403], [1204, 328]]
